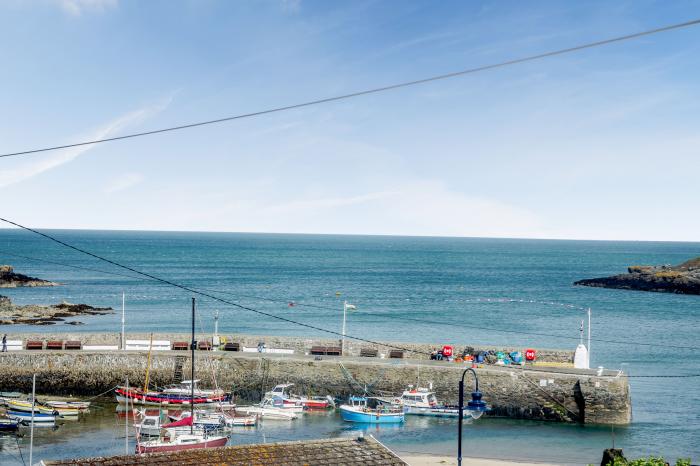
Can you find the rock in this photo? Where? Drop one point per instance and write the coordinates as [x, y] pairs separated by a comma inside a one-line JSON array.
[[10, 279], [45, 315], [682, 279], [610, 455]]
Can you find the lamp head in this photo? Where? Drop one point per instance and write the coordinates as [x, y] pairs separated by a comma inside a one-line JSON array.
[[476, 405]]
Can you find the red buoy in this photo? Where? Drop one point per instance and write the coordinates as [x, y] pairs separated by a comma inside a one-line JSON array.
[[530, 354]]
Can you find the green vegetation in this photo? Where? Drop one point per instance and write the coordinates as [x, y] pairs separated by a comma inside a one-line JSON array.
[[650, 461]]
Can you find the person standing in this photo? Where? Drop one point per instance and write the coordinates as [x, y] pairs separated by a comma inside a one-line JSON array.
[[4, 343]]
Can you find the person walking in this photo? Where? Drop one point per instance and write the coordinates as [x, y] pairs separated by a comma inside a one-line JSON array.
[[4, 343]]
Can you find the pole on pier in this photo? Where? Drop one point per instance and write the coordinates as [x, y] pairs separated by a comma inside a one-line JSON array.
[[31, 432], [192, 346], [589, 337], [123, 323], [126, 422], [345, 310]]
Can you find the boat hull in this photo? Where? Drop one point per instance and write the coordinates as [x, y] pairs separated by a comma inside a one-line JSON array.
[[27, 417], [157, 399], [372, 417], [8, 425], [160, 447], [434, 412]]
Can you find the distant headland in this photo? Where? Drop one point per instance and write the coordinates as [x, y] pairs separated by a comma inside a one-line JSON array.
[[682, 279], [10, 279], [32, 314]]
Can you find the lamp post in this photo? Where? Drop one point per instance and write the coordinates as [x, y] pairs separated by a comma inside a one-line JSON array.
[[476, 407]]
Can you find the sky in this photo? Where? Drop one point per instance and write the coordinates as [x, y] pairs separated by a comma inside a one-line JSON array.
[[599, 144]]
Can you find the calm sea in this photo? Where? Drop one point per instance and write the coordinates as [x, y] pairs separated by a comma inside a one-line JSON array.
[[442, 290]]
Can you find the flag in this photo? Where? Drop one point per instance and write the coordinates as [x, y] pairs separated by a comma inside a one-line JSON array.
[[350, 307]]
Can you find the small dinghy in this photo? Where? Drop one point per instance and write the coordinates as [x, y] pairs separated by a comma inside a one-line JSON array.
[[8, 425], [79, 405]]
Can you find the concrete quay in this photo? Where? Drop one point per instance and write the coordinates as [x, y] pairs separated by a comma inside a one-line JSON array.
[[538, 393]]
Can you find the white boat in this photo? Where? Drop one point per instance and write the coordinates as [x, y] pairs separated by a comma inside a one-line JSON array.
[[269, 408], [26, 417], [357, 411], [292, 401], [422, 402], [231, 420], [174, 441]]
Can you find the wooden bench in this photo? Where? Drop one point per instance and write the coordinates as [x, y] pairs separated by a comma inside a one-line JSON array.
[[232, 347], [368, 352], [35, 345], [204, 345], [396, 354], [73, 345], [326, 350], [54, 345], [181, 346]]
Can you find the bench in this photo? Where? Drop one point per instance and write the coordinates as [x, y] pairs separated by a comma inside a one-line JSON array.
[[35, 345], [73, 345], [326, 350], [232, 347], [368, 352], [54, 345], [181, 346], [396, 354], [146, 345], [204, 345]]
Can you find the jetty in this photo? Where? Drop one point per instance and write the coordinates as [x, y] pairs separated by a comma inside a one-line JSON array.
[[546, 390]]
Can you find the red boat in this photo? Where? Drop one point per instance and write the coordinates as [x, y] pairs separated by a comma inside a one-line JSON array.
[[137, 396]]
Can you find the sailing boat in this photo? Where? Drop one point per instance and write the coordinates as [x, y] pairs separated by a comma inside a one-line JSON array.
[[174, 439]]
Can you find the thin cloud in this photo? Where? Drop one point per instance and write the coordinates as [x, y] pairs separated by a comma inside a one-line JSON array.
[[36, 167], [78, 7], [123, 182]]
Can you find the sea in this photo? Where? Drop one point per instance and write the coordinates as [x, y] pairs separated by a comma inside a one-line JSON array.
[[460, 291]]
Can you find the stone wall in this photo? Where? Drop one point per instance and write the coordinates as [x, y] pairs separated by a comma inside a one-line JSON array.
[[542, 394], [299, 345]]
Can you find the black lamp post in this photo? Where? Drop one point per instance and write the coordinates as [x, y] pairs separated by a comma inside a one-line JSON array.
[[476, 407]]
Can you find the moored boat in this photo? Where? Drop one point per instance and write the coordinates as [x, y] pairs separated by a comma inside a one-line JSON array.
[[294, 401], [8, 424], [422, 402], [138, 396], [26, 417], [180, 435], [28, 406], [358, 411], [269, 408], [79, 405]]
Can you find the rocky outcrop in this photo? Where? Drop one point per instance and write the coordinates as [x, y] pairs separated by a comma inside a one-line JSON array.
[[10, 279], [682, 279], [33, 314]]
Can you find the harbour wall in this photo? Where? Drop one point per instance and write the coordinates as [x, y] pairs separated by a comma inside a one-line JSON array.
[[538, 393], [300, 346]]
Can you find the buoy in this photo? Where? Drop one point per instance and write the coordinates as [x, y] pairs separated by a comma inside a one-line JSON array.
[[530, 354]]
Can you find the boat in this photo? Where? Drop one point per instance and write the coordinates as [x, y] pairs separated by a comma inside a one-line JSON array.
[[26, 406], [174, 439], [79, 405], [154, 398], [293, 401], [26, 417], [231, 420], [15, 395], [8, 425], [206, 419], [185, 389], [422, 402], [269, 408], [358, 411]]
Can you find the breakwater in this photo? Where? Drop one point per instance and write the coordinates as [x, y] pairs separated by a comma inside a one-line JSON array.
[[540, 393]]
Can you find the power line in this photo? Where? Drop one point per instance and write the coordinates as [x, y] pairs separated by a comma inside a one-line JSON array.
[[370, 91], [201, 293]]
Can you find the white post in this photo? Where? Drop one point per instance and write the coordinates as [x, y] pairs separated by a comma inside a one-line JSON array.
[[123, 323], [345, 309], [215, 341], [126, 424], [31, 432], [589, 337]]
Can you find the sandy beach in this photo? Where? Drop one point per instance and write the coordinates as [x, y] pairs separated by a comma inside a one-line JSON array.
[[428, 460]]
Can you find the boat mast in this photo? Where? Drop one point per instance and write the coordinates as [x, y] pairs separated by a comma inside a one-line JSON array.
[[192, 346], [126, 422], [123, 323], [148, 365], [31, 432]]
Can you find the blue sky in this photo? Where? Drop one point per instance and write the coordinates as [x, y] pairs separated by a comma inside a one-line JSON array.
[[601, 144]]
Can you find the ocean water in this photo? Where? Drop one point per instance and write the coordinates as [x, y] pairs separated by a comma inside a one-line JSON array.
[[442, 290]]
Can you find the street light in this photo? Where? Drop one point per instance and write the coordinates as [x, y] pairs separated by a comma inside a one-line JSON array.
[[476, 407]]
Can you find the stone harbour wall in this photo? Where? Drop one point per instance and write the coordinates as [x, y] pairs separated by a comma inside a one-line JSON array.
[[552, 394]]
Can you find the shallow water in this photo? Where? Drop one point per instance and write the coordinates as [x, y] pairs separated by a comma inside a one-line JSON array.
[[412, 289]]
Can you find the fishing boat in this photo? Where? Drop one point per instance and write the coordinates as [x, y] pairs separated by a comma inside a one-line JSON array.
[[269, 408], [8, 425], [26, 417], [422, 402], [292, 401], [358, 411]]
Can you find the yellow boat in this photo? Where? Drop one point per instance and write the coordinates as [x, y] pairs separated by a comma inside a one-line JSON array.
[[26, 406]]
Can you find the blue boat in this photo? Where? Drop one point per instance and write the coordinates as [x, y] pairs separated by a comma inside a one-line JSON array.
[[8, 425], [27, 417], [358, 411]]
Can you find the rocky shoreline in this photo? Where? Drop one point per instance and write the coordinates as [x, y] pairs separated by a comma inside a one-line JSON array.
[[10, 279], [32, 314], [681, 279]]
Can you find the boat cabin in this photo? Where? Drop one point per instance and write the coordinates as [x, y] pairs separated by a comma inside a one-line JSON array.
[[419, 398]]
